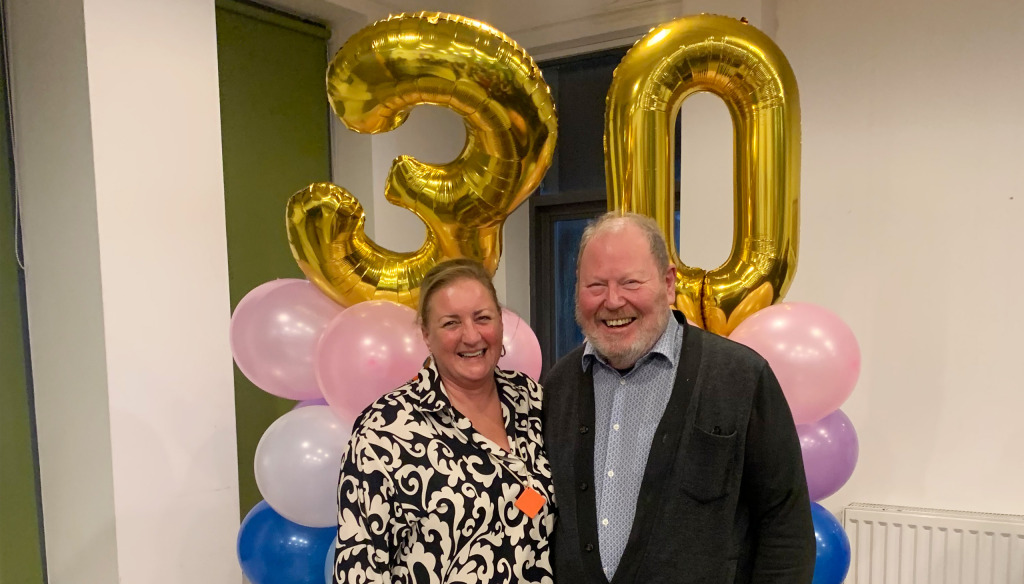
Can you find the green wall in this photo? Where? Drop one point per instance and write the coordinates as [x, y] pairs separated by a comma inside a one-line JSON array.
[[21, 553], [274, 126]]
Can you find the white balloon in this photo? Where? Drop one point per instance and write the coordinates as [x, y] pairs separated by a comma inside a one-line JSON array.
[[297, 464]]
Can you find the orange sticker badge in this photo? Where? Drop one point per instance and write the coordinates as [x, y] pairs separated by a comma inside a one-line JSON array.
[[530, 502]]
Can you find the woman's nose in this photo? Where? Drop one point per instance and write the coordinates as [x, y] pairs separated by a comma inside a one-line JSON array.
[[470, 333]]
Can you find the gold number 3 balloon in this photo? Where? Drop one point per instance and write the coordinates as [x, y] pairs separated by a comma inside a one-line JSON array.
[[377, 77], [747, 70]]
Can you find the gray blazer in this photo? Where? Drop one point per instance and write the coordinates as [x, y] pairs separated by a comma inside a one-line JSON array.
[[723, 498]]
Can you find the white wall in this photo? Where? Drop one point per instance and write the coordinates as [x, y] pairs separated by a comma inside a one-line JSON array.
[[54, 162], [913, 221], [117, 124]]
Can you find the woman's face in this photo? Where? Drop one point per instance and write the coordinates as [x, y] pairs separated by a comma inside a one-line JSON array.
[[463, 332]]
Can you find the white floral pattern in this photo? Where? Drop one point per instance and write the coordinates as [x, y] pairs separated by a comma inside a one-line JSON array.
[[422, 499]]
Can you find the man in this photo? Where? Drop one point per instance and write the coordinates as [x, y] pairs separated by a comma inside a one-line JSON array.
[[673, 452]]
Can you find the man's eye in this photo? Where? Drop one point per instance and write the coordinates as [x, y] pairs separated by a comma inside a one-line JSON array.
[[632, 284]]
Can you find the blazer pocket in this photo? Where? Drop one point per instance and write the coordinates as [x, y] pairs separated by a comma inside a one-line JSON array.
[[708, 465]]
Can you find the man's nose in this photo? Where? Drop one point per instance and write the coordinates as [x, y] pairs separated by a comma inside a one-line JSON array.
[[614, 299]]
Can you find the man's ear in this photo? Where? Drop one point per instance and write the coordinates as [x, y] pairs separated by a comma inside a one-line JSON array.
[[670, 285]]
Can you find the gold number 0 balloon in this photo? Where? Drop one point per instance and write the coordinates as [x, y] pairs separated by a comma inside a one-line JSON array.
[[747, 70], [377, 77]]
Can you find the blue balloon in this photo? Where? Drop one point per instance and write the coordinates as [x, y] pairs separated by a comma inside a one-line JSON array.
[[833, 555], [273, 550], [329, 566]]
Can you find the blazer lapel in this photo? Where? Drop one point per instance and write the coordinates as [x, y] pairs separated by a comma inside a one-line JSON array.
[[586, 500]]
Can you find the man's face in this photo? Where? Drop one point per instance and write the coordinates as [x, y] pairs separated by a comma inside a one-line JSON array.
[[622, 297]]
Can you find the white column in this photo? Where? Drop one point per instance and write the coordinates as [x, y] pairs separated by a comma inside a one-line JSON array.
[[117, 123]]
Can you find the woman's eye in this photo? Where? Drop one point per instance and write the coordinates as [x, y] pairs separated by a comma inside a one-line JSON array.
[[448, 324]]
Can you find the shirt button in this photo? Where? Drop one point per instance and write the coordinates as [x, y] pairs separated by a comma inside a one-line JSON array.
[[583, 486], [589, 547], [615, 427], [604, 521], [622, 382], [611, 473], [584, 429]]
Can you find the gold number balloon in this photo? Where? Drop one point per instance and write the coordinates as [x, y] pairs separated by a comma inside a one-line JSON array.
[[747, 70], [377, 77]]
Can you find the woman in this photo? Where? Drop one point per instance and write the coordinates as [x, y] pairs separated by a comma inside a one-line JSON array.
[[445, 478]]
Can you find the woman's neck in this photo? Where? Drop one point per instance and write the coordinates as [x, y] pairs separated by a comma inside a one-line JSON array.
[[477, 397], [482, 407]]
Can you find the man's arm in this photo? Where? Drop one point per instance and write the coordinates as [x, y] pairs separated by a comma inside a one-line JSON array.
[[776, 489]]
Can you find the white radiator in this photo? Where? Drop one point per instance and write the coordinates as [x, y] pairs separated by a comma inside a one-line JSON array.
[[907, 545]]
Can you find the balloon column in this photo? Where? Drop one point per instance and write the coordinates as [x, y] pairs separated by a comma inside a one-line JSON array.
[[812, 352], [342, 339], [817, 360]]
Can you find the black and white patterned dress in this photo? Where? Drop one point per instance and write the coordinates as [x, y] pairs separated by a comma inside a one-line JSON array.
[[422, 497]]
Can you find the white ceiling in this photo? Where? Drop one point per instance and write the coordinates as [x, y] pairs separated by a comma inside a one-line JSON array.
[[546, 28]]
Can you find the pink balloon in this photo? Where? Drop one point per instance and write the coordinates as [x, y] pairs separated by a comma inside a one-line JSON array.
[[812, 352], [260, 291], [368, 350], [274, 331], [522, 349]]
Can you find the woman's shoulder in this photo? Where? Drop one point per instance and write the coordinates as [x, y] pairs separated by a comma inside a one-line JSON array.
[[520, 384], [396, 406]]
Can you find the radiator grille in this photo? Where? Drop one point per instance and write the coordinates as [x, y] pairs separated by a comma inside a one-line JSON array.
[[909, 545]]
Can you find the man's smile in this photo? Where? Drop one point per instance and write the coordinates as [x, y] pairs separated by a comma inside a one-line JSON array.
[[618, 322]]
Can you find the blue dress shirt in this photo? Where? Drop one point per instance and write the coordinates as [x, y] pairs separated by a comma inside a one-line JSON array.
[[627, 410]]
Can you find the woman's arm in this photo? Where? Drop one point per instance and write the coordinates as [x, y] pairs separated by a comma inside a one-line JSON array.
[[365, 520]]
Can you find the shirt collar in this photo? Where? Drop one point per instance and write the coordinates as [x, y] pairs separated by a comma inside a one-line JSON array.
[[667, 346], [427, 390]]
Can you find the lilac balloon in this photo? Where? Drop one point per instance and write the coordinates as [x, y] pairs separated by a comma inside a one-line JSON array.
[[521, 347], [830, 449], [368, 350], [310, 402], [812, 352], [274, 331]]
